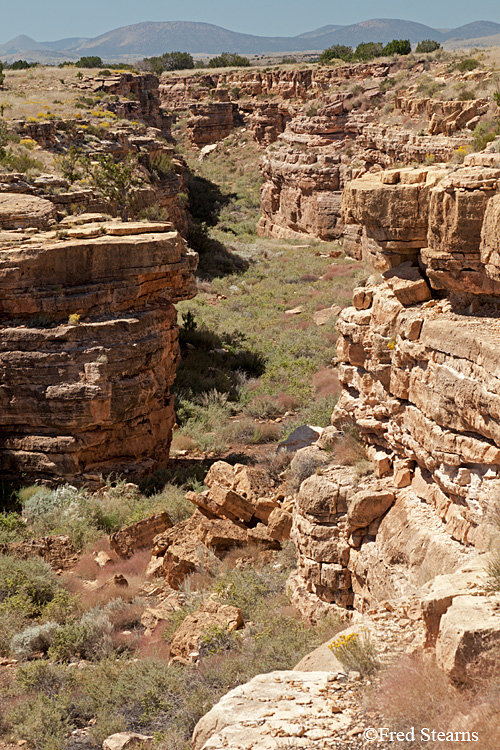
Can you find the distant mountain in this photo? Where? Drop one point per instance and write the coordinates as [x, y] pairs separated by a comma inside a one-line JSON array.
[[318, 32], [474, 30], [379, 30], [20, 44], [153, 38], [65, 44]]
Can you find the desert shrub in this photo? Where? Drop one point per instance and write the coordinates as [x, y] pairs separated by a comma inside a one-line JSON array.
[[26, 586], [484, 133], [249, 587], [12, 527], [89, 61], [386, 85], [397, 47], [89, 638], [20, 162], [356, 651], [11, 622], [43, 725], [154, 213], [61, 608], [415, 692], [216, 639], [113, 179], [169, 61], [493, 570], [304, 464], [228, 60], [161, 165], [32, 639], [470, 63], [43, 676], [2, 74], [427, 45]]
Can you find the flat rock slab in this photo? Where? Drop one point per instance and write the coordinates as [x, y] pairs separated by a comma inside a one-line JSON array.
[[273, 711], [300, 438], [19, 211]]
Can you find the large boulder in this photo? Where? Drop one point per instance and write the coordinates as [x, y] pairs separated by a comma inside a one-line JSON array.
[[272, 711], [209, 617]]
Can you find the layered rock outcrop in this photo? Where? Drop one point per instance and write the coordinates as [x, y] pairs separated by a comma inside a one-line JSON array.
[[219, 102], [162, 172], [419, 370], [444, 117], [88, 348], [304, 177]]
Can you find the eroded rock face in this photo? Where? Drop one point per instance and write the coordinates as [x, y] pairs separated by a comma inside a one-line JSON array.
[[269, 711], [57, 551], [89, 394], [420, 375], [389, 214], [444, 117], [209, 619], [304, 177], [23, 211], [243, 498]]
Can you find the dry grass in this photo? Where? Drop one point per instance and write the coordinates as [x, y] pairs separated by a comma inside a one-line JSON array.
[[29, 93], [415, 693]]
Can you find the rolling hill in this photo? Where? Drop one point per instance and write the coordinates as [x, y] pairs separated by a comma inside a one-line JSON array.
[[153, 38]]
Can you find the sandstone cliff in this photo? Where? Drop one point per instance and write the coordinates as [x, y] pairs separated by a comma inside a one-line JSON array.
[[419, 371], [89, 345]]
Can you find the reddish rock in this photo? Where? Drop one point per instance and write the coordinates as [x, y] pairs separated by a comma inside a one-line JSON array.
[[90, 395], [139, 535]]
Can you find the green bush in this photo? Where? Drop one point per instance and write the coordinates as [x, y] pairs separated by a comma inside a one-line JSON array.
[[90, 61], [368, 50], [470, 63], [11, 622], [32, 639], [22, 65], [484, 133], [26, 585], [228, 60], [12, 527], [170, 61], [336, 52], [44, 726], [90, 638], [397, 47], [356, 651], [427, 45], [2, 74]]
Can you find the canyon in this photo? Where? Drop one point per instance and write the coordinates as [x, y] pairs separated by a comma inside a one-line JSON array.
[[394, 518]]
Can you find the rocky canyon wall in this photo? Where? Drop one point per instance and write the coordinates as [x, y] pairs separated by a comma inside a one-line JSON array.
[[89, 344], [420, 379]]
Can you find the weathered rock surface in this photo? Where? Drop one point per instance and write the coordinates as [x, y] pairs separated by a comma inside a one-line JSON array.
[[23, 211], [211, 122], [128, 741], [444, 117], [272, 710], [57, 551], [88, 395], [390, 210], [186, 641], [139, 535], [246, 497], [304, 177], [419, 372]]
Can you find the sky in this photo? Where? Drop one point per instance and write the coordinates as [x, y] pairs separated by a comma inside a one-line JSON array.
[[48, 20]]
